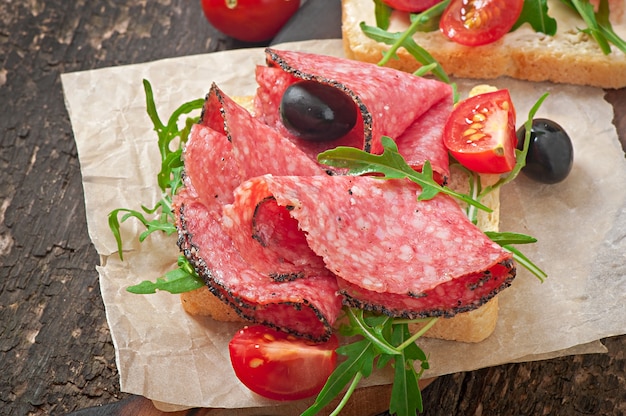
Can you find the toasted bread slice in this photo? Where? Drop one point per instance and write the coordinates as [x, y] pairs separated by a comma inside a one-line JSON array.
[[570, 56]]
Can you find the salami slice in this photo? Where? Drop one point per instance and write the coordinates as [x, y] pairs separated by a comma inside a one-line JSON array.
[[388, 100], [211, 170], [303, 307], [257, 148], [267, 237], [389, 248], [423, 141]]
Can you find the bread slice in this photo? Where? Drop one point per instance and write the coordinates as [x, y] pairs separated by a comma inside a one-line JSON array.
[[568, 57]]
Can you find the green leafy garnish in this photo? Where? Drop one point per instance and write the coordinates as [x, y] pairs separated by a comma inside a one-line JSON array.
[[405, 40], [535, 12], [381, 341], [392, 166], [598, 24], [171, 138], [180, 280], [382, 13]]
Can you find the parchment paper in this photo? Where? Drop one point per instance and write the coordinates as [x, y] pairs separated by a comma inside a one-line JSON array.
[[168, 356]]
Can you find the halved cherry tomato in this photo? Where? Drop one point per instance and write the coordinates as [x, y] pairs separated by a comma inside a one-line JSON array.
[[280, 366], [480, 132], [479, 22], [249, 20], [411, 5]]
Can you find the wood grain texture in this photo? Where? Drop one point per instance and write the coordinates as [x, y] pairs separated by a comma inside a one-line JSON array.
[[55, 347]]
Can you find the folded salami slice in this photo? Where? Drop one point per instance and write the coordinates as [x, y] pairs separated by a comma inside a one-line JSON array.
[[303, 307], [257, 148], [423, 141], [391, 252], [389, 101]]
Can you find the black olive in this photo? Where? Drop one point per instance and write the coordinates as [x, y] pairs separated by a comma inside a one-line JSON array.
[[550, 153], [317, 112]]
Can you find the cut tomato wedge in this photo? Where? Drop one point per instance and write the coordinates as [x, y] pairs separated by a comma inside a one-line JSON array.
[[479, 22], [480, 133], [411, 5], [280, 366]]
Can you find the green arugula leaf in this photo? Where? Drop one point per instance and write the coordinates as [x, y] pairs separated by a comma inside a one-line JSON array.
[[535, 12], [382, 13], [406, 396], [171, 139], [374, 334], [525, 262], [383, 340], [393, 166], [359, 363], [421, 21], [606, 28], [507, 238], [598, 24], [180, 280]]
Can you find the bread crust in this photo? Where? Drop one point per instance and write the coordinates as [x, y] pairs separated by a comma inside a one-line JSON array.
[[570, 56]]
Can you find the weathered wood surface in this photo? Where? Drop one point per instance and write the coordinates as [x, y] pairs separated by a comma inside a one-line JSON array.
[[56, 353]]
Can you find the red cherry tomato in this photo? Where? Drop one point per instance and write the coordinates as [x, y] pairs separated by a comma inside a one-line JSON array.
[[411, 5], [479, 22], [480, 133], [249, 20], [280, 366]]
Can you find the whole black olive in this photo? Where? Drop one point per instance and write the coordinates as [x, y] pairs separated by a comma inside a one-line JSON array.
[[550, 153], [317, 112]]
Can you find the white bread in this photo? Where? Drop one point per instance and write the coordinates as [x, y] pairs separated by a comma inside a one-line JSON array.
[[568, 57]]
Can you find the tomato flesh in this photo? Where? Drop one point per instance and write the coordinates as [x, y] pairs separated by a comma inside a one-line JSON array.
[[249, 20], [280, 366], [480, 133], [411, 5], [479, 22]]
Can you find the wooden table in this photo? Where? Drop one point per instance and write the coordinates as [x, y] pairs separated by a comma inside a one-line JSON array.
[[56, 353]]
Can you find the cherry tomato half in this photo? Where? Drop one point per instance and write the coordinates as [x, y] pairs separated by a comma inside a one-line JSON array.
[[480, 132], [479, 22], [280, 366], [411, 5], [249, 20]]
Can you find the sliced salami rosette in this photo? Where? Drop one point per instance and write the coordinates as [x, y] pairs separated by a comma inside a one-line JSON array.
[[285, 243]]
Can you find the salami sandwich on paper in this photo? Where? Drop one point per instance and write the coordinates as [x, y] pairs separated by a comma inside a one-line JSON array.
[[570, 56], [285, 241]]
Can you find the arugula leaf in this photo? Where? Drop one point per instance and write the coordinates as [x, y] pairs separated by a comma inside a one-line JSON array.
[[507, 238], [180, 280], [535, 12], [405, 39], [598, 25], [171, 139], [525, 262], [392, 166], [382, 340], [506, 241], [406, 396], [359, 363], [606, 28], [382, 13]]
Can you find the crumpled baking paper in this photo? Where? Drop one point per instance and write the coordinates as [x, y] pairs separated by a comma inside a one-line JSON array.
[[182, 361]]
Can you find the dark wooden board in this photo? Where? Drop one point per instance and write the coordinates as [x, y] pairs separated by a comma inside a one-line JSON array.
[[55, 348]]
